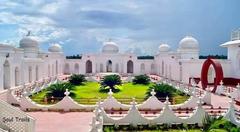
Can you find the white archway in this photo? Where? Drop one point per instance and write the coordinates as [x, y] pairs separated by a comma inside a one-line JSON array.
[[109, 66], [76, 68], [152, 68], [211, 74], [67, 69], [162, 68], [6, 75], [101, 67]]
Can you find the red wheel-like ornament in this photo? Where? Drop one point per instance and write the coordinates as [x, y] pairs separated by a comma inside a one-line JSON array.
[[218, 72]]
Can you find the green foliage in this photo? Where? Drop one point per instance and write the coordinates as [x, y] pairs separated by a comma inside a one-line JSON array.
[[220, 124], [148, 57], [74, 57], [110, 81], [162, 90], [58, 89], [77, 79], [141, 79]]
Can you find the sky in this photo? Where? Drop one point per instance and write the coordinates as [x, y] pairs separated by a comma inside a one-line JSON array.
[[138, 26]]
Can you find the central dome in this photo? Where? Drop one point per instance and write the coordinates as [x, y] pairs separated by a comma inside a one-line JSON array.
[[110, 47], [28, 42], [188, 42]]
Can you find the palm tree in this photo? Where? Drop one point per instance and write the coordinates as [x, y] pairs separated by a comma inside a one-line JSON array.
[[77, 79], [110, 81], [58, 90]]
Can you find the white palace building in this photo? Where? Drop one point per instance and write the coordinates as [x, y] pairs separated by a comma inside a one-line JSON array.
[[26, 63]]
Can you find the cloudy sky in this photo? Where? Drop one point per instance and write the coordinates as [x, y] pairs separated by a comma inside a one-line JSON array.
[[80, 26]]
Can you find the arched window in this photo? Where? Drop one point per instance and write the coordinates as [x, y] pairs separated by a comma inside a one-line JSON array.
[[67, 69], [17, 76], [130, 66], [89, 66], [101, 67], [109, 66], [76, 68], [152, 68], [142, 68], [6, 75]]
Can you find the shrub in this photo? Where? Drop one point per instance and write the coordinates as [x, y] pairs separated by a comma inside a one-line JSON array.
[[77, 79], [58, 89], [110, 81], [162, 90], [141, 79]]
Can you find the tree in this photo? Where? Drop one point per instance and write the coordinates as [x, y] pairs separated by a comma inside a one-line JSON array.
[[77, 79], [141, 79], [110, 81], [162, 90], [58, 90]]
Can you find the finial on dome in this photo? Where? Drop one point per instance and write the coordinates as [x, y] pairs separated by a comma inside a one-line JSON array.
[[28, 33]]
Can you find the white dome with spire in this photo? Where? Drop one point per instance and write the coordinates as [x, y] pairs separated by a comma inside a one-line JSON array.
[[164, 48], [110, 47], [188, 42], [55, 48], [28, 42]]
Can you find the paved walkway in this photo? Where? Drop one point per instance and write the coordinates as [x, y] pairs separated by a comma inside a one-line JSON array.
[[62, 122]]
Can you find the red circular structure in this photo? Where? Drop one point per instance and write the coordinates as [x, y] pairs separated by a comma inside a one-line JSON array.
[[218, 71]]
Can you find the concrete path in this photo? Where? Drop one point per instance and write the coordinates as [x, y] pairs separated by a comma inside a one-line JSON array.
[[62, 122]]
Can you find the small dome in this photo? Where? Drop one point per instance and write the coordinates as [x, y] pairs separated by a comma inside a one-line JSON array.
[[55, 48], [188, 42], [110, 47], [164, 48], [28, 42]]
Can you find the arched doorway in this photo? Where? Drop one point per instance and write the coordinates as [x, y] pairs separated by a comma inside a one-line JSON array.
[[89, 66], [37, 76], [218, 73], [17, 76], [6, 75], [29, 74], [66, 69], [101, 67], [152, 68], [130, 66], [76, 68], [142, 68], [117, 68], [109, 66]]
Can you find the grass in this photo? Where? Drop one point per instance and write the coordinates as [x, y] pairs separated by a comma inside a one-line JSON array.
[[88, 93]]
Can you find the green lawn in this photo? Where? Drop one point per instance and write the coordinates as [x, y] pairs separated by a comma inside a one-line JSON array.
[[89, 93]]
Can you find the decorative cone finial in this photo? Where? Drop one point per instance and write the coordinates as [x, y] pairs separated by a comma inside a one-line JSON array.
[[66, 92], [153, 93]]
